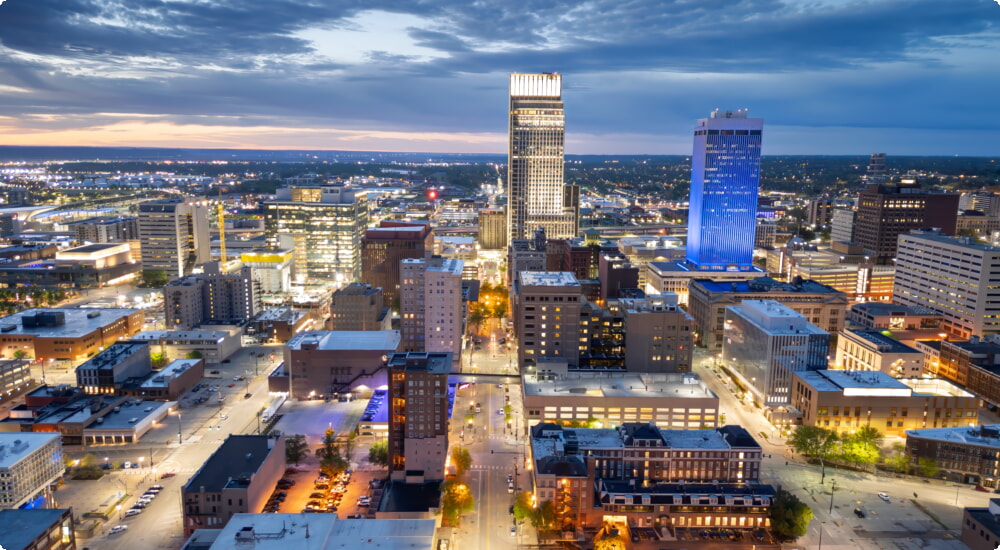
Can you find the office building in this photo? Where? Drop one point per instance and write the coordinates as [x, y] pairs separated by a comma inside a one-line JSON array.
[[221, 294], [953, 276], [708, 299], [981, 526], [106, 229], [725, 180], [69, 334], [214, 346], [418, 421], [110, 369], [844, 401], [238, 478], [876, 172], [324, 363], [38, 529], [973, 364], [982, 202], [169, 383], [657, 334], [83, 267], [323, 227], [887, 211], [963, 454], [872, 350], [384, 247], [546, 307], [618, 277], [537, 195], [526, 255], [676, 276], [358, 306], [272, 269], [895, 317], [820, 212], [173, 236], [493, 229], [432, 316], [766, 234], [972, 223], [279, 324], [764, 343], [29, 464], [842, 225]]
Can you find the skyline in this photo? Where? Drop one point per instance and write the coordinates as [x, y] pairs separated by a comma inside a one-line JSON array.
[[834, 77]]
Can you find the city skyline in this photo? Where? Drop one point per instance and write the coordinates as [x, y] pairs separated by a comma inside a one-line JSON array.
[[835, 77]]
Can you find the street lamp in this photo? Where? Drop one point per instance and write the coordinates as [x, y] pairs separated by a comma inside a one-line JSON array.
[[180, 439], [833, 490]]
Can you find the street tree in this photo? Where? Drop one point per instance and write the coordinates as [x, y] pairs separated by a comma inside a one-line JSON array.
[[462, 460], [295, 448], [545, 516], [899, 461], [790, 517], [331, 462], [928, 466], [456, 499], [378, 453], [816, 442], [522, 506], [610, 539]]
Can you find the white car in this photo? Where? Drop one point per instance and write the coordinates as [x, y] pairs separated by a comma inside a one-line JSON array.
[[884, 497], [133, 512], [118, 529]]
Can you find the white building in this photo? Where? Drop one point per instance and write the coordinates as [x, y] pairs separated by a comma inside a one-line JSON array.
[[272, 268], [953, 276], [764, 342], [431, 305], [173, 236], [870, 350], [29, 463]]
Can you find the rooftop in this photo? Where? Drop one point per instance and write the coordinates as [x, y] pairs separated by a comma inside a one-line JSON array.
[[433, 362], [18, 445], [682, 269], [167, 374], [323, 532], [686, 386], [765, 284], [204, 335], [79, 322], [983, 436], [882, 308], [91, 248], [283, 313], [962, 242], [131, 414], [347, 340], [881, 341], [20, 528], [114, 355], [548, 278], [855, 382], [411, 497], [236, 461]]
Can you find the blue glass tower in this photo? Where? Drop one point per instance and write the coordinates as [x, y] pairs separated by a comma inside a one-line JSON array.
[[725, 178]]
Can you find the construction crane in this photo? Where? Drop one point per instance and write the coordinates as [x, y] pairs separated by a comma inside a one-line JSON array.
[[222, 233]]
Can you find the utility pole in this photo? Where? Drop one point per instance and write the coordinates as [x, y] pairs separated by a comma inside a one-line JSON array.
[[834, 482]]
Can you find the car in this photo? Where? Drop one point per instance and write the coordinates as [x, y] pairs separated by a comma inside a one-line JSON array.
[[859, 512], [499, 412], [227, 361], [133, 512], [510, 478], [317, 495], [167, 474], [356, 516], [503, 340], [127, 465], [156, 488], [135, 465], [883, 496], [500, 386], [513, 531], [223, 416], [247, 395], [232, 385], [118, 529], [140, 505], [322, 486]]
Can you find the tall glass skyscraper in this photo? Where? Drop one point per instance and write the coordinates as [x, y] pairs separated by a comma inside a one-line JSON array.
[[725, 178], [536, 194]]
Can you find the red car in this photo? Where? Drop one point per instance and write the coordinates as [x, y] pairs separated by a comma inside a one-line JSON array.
[[167, 474]]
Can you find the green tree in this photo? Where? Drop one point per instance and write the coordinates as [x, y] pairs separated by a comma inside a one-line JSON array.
[[898, 460], [790, 517], [862, 447], [20, 354], [295, 448], [456, 499], [499, 310], [522, 506], [928, 466], [155, 278], [545, 516], [331, 462], [158, 359], [194, 355], [462, 460], [378, 453], [609, 540], [477, 318], [88, 468], [816, 442]]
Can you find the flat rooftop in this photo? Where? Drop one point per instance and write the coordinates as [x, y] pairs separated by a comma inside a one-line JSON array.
[[79, 322], [855, 382], [201, 335], [673, 386], [238, 459], [284, 313], [983, 436], [347, 340], [765, 285], [682, 269], [20, 528], [882, 308], [433, 362], [548, 278], [882, 342], [323, 532], [163, 377], [114, 355], [91, 248], [122, 420], [15, 452]]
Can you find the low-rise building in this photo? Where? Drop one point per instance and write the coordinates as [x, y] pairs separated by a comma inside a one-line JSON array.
[[108, 371], [66, 333], [29, 464], [322, 363], [869, 350], [358, 306], [676, 277], [981, 526], [237, 479], [170, 382], [38, 529], [126, 423], [895, 317], [279, 324], [965, 454], [844, 401], [213, 344]]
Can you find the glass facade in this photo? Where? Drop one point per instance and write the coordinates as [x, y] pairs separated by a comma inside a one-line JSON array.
[[326, 237], [725, 178]]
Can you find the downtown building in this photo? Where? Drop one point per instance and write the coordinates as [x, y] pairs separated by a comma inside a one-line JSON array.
[[222, 294], [174, 236], [106, 229], [493, 229], [887, 211], [537, 195], [954, 276], [29, 464], [963, 454], [358, 306], [385, 246], [326, 363], [432, 316], [323, 227], [418, 416]]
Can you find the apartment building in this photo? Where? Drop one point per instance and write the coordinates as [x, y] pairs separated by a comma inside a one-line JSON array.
[[384, 247], [29, 464], [418, 417], [547, 308], [359, 306], [432, 316]]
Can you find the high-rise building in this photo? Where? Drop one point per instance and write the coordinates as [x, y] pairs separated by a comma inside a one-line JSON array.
[[820, 211], [385, 246], [953, 276], [273, 268], [418, 419], [980, 201], [842, 225], [877, 173], [105, 229], [323, 227], [886, 211], [725, 179], [431, 313], [546, 306], [537, 195], [173, 236], [493, 229], [658, 334], [221, 294], [765, 342], [29, 464], [358, 306]]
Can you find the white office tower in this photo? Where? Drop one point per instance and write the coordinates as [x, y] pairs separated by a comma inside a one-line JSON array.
[[431, 307]]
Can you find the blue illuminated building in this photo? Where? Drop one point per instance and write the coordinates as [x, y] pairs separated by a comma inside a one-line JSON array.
[[725, 178]]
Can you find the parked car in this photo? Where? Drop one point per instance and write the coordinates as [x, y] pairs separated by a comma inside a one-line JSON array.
[[884, 497], [133, 512], [167, 474], [118, 529], [859, 512]]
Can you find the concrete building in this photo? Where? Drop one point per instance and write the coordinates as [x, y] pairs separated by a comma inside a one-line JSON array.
[[323, 227], [765, 343], [170, 382], [644, 249], [238, 478], [106, 229], [384, 247], [981, 526], [83, 267], [15, 378], [432, 316], [418, 421], [670, 401], [280, 324], [29, 464], [952, 276], [38, 529], [820, 212], [842, 225], [977, 224], [66, 333], [271, 269], [675, 277], [887, 211], [221, 294], [658, 334], [359, 306], [964, 454], [844, 401], [708, 299], [214, 344], [110, 369], [895, 317], [616, 275], [126, 423], [972, 364], [593, 479], [174, 236], [493, 229], [526, 255], [546, 307], [868, 350], [322, 363]]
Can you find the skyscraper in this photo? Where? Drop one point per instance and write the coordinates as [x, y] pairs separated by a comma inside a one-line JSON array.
[[537, 195], [725, 178], [173, 236]]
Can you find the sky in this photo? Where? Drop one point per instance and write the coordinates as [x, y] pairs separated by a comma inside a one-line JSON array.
[[904, 77]]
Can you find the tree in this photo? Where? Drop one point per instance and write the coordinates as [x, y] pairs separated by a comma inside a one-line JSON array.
[[20, 354], [88, 468], [462, 460], [155, 278], [928, 466], [158, 359], [545, 516], [814, 441], [899, 461], [194, 355], [456, 499], [610, 540], [522, 506], [499, 310], [330, 461], [476, 318], [378, 453], [790, 517], [295, 448], [862, 447]]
